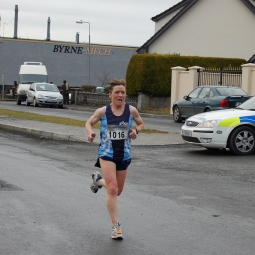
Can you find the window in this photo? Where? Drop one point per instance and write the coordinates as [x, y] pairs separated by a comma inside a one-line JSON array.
[[205, 93], [231, 91], [194, 93]]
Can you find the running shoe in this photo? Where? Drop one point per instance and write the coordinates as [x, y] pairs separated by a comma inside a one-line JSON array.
[[117, 232], [96, 176]]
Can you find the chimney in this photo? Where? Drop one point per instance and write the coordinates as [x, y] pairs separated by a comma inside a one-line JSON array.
[[16, 22], [48, 29], [77, 37]]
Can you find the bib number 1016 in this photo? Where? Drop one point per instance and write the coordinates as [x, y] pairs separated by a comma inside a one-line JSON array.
[[117, 132], [116, 135]]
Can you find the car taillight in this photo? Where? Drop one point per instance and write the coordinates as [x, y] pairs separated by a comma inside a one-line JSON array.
[[224, 103]]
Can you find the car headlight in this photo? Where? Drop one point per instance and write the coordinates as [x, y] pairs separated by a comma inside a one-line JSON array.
[[60, 97], [209, 124], [41, 96]]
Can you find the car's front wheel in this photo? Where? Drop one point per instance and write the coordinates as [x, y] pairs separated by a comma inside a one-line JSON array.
[[27, 103], [18, 101], [177, 114], [242, 141], [35, 103]]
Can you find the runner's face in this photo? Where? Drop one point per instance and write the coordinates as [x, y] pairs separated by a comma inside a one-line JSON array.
[[118, 95]]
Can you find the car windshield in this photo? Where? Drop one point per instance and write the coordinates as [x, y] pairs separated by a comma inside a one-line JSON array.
[[231, 91], [248, 105], [31, 78], [47, 87]]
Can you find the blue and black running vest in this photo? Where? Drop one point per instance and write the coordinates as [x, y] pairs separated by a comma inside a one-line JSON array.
[[118, 150]]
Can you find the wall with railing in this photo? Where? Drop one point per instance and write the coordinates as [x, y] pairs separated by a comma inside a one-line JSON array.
[[98, 99], [183, 82], [141, 102], [230, 76]]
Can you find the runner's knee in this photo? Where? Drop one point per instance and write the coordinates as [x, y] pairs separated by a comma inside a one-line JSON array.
[[112, 190]]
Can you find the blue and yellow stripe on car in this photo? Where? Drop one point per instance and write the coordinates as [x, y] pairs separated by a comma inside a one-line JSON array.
[[230, 122], [233, 122], [248, 119]]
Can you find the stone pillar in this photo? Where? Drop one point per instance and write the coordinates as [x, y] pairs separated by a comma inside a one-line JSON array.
[[175, 84], [247, 78], [143, 101], [193, 76]]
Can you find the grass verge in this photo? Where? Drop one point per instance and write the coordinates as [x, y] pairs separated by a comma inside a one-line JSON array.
[[160, 111], [58, 120]]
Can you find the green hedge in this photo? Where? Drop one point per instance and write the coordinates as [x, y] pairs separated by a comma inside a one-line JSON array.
[[151, 73], [87, 88]]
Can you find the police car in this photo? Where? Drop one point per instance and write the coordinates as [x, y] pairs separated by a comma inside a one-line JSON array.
[[233, 129]]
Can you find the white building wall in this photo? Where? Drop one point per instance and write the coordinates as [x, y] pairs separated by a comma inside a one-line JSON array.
[[216, 28]]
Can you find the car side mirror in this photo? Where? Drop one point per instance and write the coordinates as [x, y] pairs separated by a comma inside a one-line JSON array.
[[185, 97]]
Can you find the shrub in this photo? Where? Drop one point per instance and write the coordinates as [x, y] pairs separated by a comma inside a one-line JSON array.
[[87, 88], [152, 73]]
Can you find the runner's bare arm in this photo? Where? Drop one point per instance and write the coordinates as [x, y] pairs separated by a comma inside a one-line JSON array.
[[97, 116], [138, 120]]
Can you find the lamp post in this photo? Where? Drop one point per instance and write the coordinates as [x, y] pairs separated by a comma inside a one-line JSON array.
[[81, 22]]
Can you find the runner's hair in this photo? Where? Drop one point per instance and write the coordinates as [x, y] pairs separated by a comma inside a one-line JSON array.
[[116, 82]]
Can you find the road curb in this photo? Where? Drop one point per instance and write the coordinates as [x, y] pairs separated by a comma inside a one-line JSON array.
[[43, 134], [49, 135]]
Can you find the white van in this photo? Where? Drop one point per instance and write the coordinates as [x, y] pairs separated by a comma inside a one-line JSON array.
[[29, 73]]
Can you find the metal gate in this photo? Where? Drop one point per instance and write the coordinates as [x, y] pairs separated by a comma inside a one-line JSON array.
[[230, 76]]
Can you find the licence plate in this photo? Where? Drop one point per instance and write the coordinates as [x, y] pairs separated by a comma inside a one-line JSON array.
[[186, 133]]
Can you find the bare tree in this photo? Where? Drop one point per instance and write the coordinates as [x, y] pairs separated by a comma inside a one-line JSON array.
[[103, 77]]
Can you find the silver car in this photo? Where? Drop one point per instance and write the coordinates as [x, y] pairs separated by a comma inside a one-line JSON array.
[[44, 94]]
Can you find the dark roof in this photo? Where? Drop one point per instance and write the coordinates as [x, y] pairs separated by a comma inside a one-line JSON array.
[[184, 6], [170, 10], [249, 5], [252, 59]]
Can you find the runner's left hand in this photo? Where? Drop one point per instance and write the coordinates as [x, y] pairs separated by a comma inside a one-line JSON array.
[[133, 134]]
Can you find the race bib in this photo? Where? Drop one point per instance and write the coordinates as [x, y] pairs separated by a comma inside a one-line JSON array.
[[117, 132]]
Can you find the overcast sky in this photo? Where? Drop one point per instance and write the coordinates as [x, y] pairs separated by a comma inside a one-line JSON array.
[[117, 22]]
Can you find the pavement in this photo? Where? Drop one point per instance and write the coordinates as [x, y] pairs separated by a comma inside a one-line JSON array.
[[52, 131]]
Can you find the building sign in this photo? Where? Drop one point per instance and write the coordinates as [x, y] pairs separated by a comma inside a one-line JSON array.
[[80, 50]]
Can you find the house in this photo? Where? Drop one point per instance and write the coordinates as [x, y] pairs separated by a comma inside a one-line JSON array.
[[210, 28]]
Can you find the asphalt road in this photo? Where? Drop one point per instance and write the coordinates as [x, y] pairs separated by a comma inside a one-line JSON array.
[[178, 200]]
